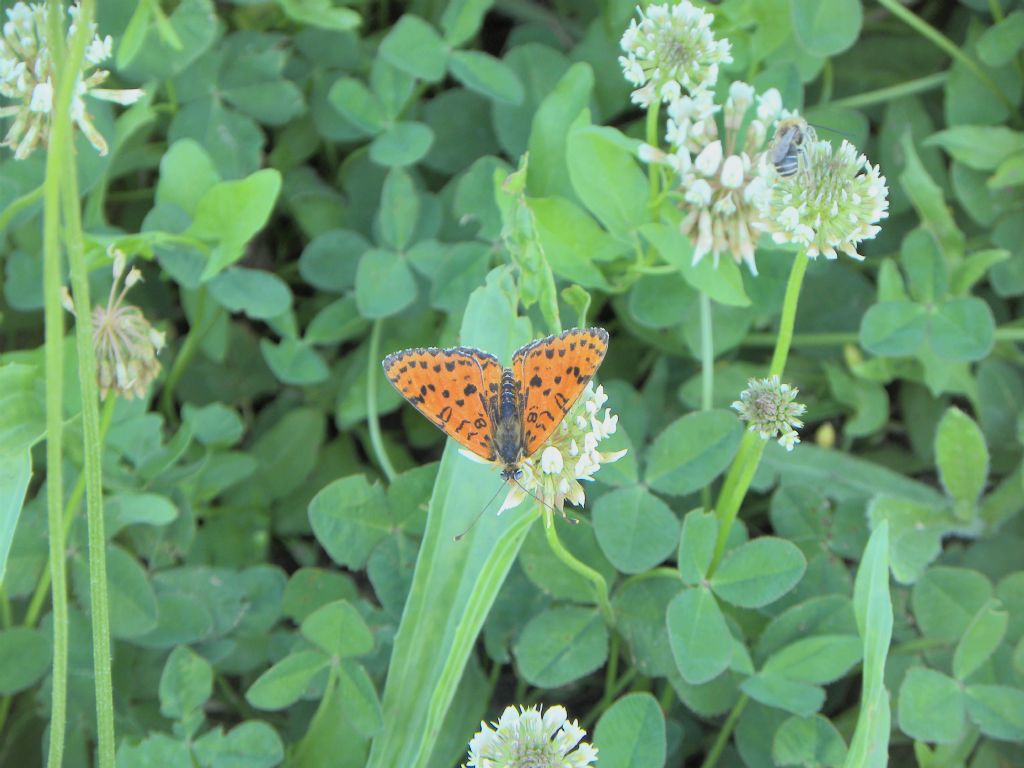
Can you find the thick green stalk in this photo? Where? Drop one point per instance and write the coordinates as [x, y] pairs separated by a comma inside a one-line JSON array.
[[891, 92], [93, 447], [186, 352], [743, 467], [707, 371], [726, 731], [584, 570], [373, 370], [838, 338], [942, 42]]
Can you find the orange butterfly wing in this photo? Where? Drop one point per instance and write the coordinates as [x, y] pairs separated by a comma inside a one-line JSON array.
[[450, 387], [553, 373]]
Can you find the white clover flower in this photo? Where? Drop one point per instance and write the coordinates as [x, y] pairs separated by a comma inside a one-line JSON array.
[[126, 344], [832, 203], [526, 739], [671, 50], [719, 183], [27, 75], [569, 455], [771, 408]]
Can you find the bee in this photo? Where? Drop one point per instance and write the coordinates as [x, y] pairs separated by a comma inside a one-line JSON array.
[[789, 143]]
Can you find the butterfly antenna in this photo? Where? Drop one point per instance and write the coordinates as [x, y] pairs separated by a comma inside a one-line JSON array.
[[479, 514], [543, 503]]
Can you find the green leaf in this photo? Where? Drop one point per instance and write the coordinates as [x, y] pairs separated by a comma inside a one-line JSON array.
[[572, 241], [399, 210], [659, 301], [462, 19], [722, 282], [981, 147], [596, 154], [384, 284], [15, 473], [22, 415], [329, 261], [486, 75], [126, 509], [872, 606], [1010, 173], [157, 749], [1002, 41], [631, 733], [817, 660], [185, 684], [808, 741], [261, 295], [826, 27], [945, 601], [980, 640], [24, 658], [231, 212], [893, 328], [548, 172], [961, 456], [338, 630], [310, 588], [998, 710], [916, 533], [963, 330], [692, 451], [214, 424], [700, 640], [635, 528], [780, 692], [253, 744], [362, 703], [186, 174], [358, 104], [926, 197], [287, 681], [402, 144], [168, 49], [349, 518], [561, 645], [931, 706], [133, 603], [293, 362], [759, 572], [697, 545], [337, 322], [414, 47], [974, 268], [323, 14]]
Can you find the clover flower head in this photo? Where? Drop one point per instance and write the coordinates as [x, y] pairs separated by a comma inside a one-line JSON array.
[[528, 739], [671, 50], [570, 455], [719, 184], [27, 78], [771, 408], [126, 344], [831, 204]]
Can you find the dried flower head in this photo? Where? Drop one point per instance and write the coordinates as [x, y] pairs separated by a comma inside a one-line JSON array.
[[830, 204], [671, 50], [719, 184], [126, 344], [554, 472], [771, 408], [27, 76], [526, 739]]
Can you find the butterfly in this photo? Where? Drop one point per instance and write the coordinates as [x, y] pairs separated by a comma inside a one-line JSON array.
[[501, 414]]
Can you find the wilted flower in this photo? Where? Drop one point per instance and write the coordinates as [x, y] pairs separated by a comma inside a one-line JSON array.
[[126, 344], [719, 183], [27, 75], [526, 739], [554, 472], [671, 50], [832, 203], [771, 408]]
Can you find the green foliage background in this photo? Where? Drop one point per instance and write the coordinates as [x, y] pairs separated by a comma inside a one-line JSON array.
[[307, 187]]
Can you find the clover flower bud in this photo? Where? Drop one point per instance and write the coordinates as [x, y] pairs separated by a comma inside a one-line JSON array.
[[771, 409], [528, 739]]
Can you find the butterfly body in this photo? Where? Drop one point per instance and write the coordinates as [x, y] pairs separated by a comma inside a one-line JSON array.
[[501, 414]]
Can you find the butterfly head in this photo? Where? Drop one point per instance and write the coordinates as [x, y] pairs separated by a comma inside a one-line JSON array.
[[511, 474]]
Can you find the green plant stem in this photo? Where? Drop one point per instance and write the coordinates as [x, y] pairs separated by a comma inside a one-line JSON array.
[[890, 92], [744, 465], [92, 443], [35, 605], [17, 206], [839, 338], [942, 42], [372, 372], [707, 371], [196, 331], [651, 137], [725, 733], [584, 570]]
